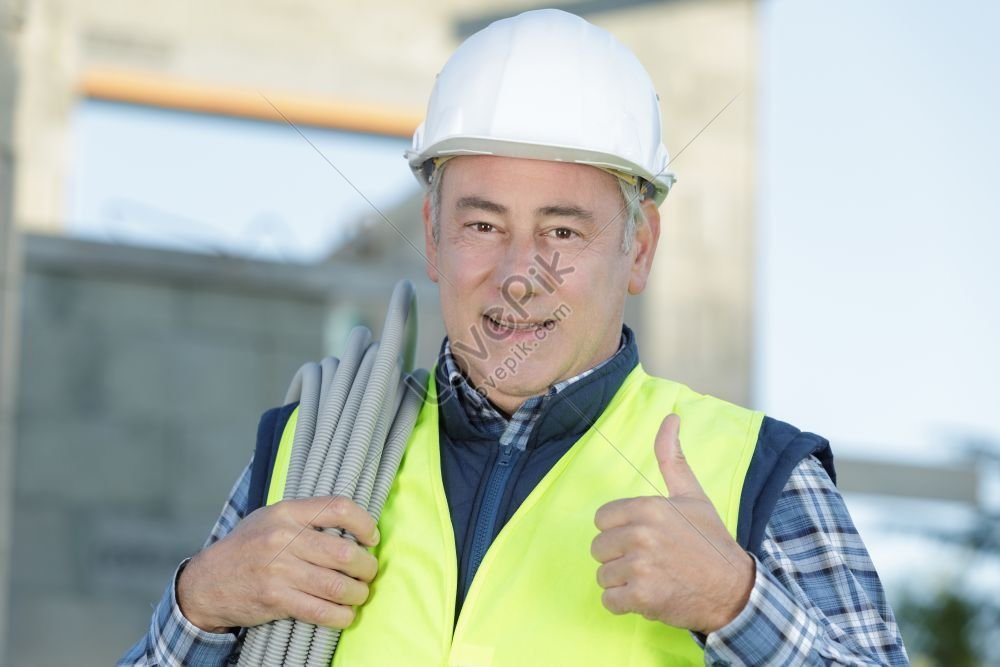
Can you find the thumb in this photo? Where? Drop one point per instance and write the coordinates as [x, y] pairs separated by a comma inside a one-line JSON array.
[[677, 474]]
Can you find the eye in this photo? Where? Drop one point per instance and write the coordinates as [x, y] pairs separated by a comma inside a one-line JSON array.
[[564, 233], [483, 227]]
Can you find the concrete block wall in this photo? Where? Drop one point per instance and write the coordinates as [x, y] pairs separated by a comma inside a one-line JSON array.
[[10, 270], [138, 409]]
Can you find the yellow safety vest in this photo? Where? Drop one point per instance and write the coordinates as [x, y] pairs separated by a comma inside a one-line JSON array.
[[535, 598]]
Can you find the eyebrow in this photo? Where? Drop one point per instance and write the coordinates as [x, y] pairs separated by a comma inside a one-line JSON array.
[[565, 212], [557, 210], [481, 204]]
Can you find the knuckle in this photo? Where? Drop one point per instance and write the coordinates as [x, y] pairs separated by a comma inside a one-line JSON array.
[[281, 510], [644, 539], [645, 508], [319, 612], [342, 550], [644, 569], [277, 539], [662, 509], [340, 507], [335, 587], [641, 598]]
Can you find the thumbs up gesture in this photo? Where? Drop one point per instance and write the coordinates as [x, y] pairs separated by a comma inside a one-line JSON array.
[[671, 559]]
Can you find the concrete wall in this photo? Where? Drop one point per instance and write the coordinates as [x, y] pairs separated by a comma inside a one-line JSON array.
[[10, 270], [144, 373], [696, 323]]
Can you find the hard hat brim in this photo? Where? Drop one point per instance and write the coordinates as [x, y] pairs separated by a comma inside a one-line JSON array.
[[471, 145]]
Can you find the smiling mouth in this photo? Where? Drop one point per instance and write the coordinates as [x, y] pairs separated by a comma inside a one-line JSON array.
[[511, 325]]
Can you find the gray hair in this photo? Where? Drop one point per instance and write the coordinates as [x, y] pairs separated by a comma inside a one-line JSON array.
[[632, 197]]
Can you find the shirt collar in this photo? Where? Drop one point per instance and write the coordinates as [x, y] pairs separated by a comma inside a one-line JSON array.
[[483, 413]]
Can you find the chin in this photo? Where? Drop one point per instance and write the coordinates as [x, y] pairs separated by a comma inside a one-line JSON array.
[[523, 385]]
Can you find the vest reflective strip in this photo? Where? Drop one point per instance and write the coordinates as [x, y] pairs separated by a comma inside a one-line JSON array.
[[535, 598]]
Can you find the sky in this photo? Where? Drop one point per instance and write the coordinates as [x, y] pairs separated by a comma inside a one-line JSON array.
[[221, 185], [878, 247], [878, 222]]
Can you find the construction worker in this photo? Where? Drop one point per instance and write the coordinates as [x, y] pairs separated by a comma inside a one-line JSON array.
[[545, 511]]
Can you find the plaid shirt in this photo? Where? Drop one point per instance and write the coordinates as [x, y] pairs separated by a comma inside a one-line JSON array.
[[485, 417], [816, 600]]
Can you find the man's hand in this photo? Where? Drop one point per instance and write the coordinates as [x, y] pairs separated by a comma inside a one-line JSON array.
[[276, 565], [671, 560]]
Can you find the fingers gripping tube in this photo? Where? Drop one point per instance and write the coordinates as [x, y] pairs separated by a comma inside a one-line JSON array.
[[355, 417]]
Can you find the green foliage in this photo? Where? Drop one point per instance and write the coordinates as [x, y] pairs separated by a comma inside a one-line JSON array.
[[948, 629]]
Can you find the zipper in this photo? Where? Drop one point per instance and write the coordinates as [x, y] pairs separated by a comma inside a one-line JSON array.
[[488, 511]]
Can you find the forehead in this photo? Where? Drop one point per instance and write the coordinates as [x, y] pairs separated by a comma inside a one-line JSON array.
[[531, 181]]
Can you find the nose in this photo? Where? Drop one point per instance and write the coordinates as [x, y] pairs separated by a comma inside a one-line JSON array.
[[514, 273], [517, 287]]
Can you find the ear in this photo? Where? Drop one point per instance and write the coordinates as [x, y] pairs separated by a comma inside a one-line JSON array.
[[644, 247], [430, 248]]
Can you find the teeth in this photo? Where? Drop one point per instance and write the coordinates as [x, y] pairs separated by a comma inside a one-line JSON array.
[[512, 325]]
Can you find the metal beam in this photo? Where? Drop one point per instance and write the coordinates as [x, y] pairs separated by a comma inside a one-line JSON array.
[[329, 281], [955, 483], [160, 92]]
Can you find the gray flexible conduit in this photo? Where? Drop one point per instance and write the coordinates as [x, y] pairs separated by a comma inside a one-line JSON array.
[[355, 417]]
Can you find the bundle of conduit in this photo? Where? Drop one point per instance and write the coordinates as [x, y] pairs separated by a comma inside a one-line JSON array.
[[355, 416]]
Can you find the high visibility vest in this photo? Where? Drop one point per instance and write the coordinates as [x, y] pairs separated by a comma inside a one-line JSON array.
[[535, 598]]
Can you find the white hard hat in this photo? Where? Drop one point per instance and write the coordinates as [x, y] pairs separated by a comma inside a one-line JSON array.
[[546, 85]]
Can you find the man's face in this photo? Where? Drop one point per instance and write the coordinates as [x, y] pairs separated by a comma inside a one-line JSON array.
[[531, 271]]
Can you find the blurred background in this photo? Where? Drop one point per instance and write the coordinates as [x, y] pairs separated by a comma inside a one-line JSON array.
[[181, 227]]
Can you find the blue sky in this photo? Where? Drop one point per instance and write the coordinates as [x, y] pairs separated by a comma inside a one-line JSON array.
[[879, 249], [213, 184], [878, 221]]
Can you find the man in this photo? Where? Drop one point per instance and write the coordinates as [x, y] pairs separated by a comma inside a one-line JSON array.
[[545, 512]]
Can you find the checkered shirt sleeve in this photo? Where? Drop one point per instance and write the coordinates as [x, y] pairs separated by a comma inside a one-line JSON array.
[[171, 638], [817, 599]]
